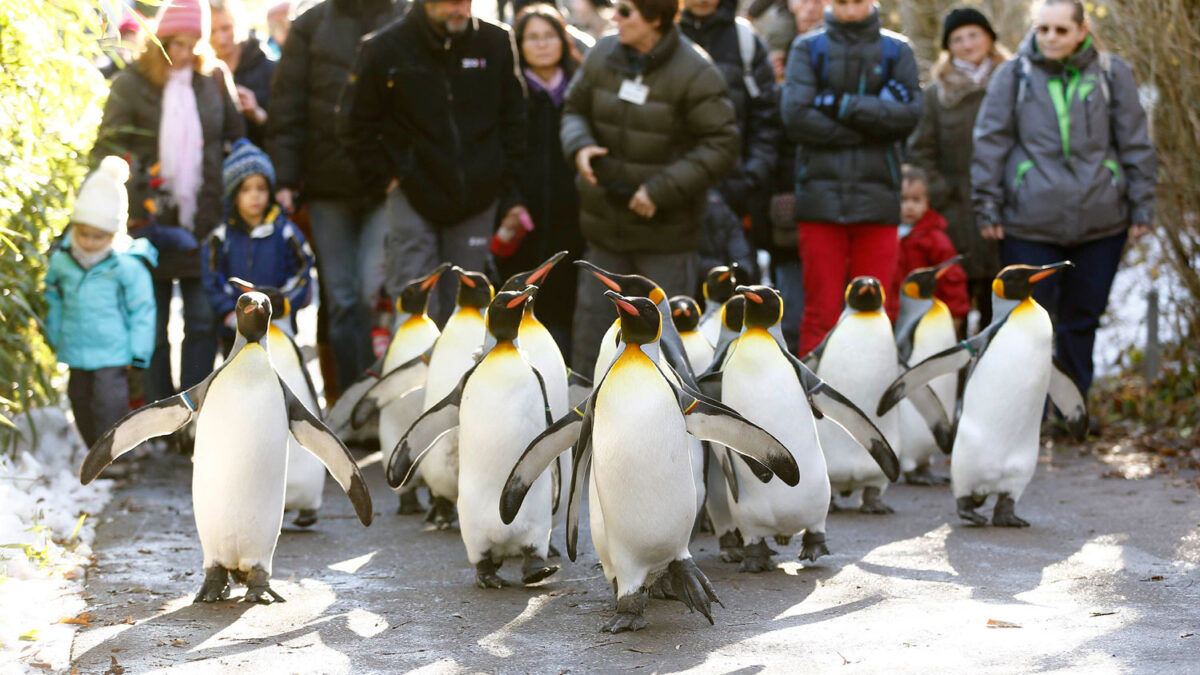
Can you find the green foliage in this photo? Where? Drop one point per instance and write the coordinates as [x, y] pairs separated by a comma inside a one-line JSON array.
[[50, 106]]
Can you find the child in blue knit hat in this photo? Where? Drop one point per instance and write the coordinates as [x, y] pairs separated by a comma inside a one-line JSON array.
[[256, 243]]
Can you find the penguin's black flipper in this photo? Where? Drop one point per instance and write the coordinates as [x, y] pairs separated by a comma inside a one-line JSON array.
[[338, 415], [1065, 396], [394, 384], [813, 358], [448, 440], [710, 384], [151, 421], [730, 475], [551, 443], [315, 437], [580, 464], [912, 311], [830, 403], [709, 420], [427, 428], [930, 407]]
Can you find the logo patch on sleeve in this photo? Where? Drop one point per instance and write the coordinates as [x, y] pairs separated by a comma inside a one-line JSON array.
[[469, 64]]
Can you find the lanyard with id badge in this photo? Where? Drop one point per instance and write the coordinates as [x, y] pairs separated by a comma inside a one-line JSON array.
[[633, 91]]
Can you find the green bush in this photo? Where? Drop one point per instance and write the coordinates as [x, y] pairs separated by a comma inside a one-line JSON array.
[[51, 101]]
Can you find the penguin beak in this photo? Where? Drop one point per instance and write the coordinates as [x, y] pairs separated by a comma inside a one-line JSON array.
[[524, 297], [433, 276], [749, 294], [242, 285], [623, 305], [866, 289], [1047, 270], [544, 269], [945, 267], [462, 276], [604, 276]]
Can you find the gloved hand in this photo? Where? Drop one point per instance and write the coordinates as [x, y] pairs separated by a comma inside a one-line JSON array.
[[828, 102], [893, 90]]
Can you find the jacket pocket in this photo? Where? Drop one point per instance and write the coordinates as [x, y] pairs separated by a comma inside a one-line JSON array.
[[1022, 169], [1115, 169]]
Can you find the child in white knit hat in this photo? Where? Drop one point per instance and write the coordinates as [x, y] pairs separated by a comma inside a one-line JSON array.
[[102, 311]]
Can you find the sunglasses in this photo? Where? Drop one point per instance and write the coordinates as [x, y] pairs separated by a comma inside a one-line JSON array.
[[624, 11], [1058, 30]]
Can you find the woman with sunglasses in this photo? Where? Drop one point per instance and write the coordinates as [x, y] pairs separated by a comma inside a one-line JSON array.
[[650, 128], [1064, 169]]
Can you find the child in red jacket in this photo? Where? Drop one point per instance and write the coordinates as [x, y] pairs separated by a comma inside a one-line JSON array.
[[923, 243]]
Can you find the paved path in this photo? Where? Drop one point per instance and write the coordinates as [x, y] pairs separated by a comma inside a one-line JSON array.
[[1104, 581]]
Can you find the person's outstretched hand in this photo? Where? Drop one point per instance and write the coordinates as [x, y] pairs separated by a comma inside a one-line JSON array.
[[286, 199], [583, 161]]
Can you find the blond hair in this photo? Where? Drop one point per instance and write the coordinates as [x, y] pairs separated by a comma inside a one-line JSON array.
[[153, 63]]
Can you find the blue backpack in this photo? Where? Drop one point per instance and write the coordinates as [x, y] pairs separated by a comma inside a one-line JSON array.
[[818, 54]]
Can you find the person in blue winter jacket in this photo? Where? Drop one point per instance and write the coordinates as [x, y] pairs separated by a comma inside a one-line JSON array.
[[101, 299], [256, 243]]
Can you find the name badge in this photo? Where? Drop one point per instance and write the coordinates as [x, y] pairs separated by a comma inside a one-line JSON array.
[[634, 91]]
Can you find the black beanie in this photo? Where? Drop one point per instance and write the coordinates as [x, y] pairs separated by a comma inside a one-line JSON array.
[[964, 16]]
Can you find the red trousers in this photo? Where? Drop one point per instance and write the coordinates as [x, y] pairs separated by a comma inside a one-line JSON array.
[[832, 255]]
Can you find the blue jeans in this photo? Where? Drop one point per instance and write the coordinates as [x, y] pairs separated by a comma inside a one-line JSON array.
[[348, 242], [789, 281], [1075, 298], [199, 351]]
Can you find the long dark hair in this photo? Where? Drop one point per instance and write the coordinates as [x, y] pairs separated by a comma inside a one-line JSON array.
[[570, 54]]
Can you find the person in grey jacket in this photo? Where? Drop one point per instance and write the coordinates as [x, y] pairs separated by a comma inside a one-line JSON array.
[[1064, 170]]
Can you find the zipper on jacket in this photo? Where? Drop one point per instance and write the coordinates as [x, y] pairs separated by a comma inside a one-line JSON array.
[[1062, 104]]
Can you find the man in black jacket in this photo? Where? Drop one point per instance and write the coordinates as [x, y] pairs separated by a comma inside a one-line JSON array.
[[348, 223], [434, 116]]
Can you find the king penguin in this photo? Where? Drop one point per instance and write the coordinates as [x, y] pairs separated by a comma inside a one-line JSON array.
[[453, 355], [685, 314], [305, 473], [770, 387], [924, 327], [244, 412], [631, 437], [498, 407], [717, 288], [998, 421]]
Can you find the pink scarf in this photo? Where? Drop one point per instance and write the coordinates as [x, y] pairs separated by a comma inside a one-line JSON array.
[[181, 144]]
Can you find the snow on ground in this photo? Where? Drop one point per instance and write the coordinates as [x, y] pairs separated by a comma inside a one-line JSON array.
[[1124, 325], [43, 545]]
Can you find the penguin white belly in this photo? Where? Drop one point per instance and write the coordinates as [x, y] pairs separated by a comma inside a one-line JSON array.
[[761, 384], [501, 413], [996, 447], [542, 352], [608, 352], [305, 473], [699, 351], [644, 484], [934, 333], [859, 361], [710, 322], [414, 337], [238, 471], [452, 357], [599, 536]]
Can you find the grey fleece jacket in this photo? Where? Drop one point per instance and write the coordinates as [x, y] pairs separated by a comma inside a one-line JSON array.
[[1071, 161]]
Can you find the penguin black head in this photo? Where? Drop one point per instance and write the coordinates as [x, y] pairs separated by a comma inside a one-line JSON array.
[[1015, 282], [685, 313], [280, 305], [733, 312], [414, 297], [533, 277], [474, 289], [763, 306], [504, 313], [253, 314], [720, 282], [921, 283], [864, 294], [641, 323], [634, 285]]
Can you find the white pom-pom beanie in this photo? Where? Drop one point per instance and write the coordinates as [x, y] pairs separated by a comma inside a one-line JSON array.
[[102, 201]]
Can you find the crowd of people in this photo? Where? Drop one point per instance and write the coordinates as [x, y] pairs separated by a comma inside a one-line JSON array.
[[371, 140]]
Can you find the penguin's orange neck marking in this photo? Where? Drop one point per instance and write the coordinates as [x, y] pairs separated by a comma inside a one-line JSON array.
[[633, 356], [414, 320]]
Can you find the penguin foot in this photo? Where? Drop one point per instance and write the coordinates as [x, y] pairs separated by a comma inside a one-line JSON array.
[[812, 546], [215, 586], [552, 552], [923, 476], [442, 513], [305, 518], [258, 588], [731, 547], [783, 539], [872, 502], [691, 587], [966, 510], [486, 577], [535, 568], [1003, 515], [758, 558], [629, 615], [410, 503]]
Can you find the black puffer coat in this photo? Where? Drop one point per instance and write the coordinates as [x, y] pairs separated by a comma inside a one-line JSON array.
[[848, 165], [307, 86], [758, 116], [254, 71]]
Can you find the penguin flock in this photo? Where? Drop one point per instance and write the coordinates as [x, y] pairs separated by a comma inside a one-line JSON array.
[[691, 419]]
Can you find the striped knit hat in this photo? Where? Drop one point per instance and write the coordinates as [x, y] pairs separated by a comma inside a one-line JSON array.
[[183, 17], [244, 161]]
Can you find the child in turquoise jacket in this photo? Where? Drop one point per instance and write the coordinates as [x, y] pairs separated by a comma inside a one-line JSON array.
[[102, 311]]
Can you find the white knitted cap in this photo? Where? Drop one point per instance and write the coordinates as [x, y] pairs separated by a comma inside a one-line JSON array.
[[102, 201]]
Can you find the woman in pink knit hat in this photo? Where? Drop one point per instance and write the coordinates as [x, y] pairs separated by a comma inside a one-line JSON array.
[[172, 114]]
